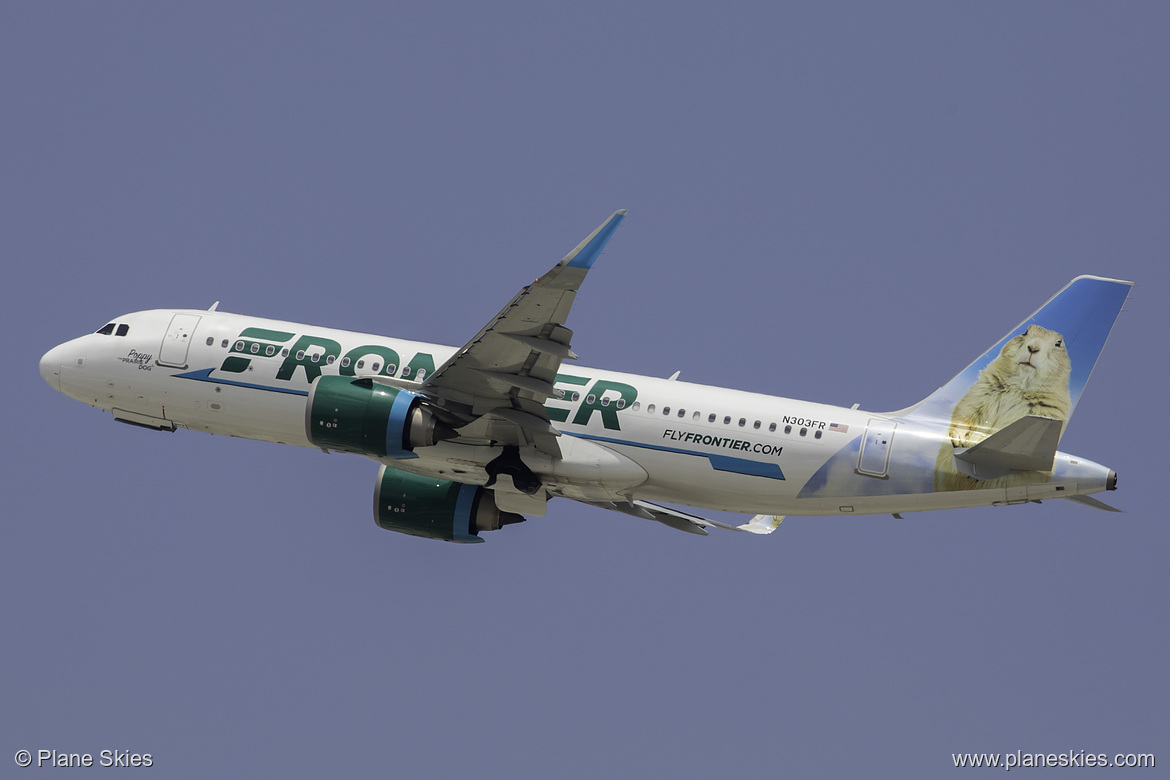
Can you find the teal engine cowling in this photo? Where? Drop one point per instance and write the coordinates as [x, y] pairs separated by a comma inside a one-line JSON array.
[[436, 508], [369, 418]]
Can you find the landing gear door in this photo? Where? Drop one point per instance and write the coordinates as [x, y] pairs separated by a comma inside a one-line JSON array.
[[173, 352], [874, 460]]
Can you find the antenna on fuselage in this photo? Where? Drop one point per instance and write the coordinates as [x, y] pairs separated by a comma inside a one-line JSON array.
[[213, 306]]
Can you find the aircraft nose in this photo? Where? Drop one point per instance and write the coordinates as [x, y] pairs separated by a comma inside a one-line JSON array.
[[51, 368]]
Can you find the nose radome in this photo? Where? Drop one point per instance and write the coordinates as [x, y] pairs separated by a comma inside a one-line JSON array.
[[51, 368]]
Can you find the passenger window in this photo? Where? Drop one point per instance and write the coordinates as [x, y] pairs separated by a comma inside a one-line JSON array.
[[788, 429], [223, 344], [315, 357], [756, 425], [123, 329], [817, 435], [421, 375], [345, 362], [270, 350], [328, 360], [803, 431], [256, 349], [604, 400], [374, 367], [284, 352], [682, 413], [577, 397], [711, 417], [391, 368], [772, 427], [695, 416], [637, 405], [108, 330], [210, 341], [727, 420], [361, 364], [589, 399], [742, 421], [300, 354], [650, 409], [621, 403]]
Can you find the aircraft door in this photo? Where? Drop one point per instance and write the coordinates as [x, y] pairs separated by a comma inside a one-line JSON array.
[[173, 352], [874, 460]]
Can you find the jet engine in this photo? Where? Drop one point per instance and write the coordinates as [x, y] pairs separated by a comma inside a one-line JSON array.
[[436, 508], [369, 418]]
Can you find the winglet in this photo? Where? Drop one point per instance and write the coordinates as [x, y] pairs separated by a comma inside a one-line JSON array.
[[761, 524], [589, 249]]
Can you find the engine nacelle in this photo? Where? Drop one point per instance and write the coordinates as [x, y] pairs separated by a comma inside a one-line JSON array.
[[369, 418], [436, 508]]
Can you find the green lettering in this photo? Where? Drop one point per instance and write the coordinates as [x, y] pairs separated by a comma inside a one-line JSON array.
[[236, 365], [556, 413], [609, 411], [423, 362], [264, 333], [303, 348], [387, 368]]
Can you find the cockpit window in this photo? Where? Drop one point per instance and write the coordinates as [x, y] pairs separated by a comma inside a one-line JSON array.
[[108, 330], [123, 329]]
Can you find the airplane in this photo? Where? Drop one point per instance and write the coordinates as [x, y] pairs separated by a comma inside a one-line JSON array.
[[474, 438]]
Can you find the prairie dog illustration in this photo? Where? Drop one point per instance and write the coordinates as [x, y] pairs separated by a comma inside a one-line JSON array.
[[1028, 377]]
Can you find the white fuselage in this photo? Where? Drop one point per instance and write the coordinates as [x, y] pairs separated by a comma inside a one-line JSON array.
[[668, 441]]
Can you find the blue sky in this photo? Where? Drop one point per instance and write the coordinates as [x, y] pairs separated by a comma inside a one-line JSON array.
[[836, 202]]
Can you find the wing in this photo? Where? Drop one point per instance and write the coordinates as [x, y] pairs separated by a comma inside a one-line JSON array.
[[494, 388], [684, 521]]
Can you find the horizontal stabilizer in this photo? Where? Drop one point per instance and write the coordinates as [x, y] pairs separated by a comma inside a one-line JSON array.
[[1090, 501], [1028, 444]]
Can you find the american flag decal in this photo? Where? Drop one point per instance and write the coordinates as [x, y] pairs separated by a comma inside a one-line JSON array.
[[838, 427]]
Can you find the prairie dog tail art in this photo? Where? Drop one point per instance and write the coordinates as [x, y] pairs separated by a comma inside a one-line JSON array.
[[1039, 369]]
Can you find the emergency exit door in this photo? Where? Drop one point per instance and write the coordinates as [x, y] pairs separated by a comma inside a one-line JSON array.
[[874, 460]]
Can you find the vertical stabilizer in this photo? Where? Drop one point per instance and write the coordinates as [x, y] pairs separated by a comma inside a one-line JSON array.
[[1038, 369]]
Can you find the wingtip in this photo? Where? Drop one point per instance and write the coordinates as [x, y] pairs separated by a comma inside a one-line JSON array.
[[623, 212], [589, 249]]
